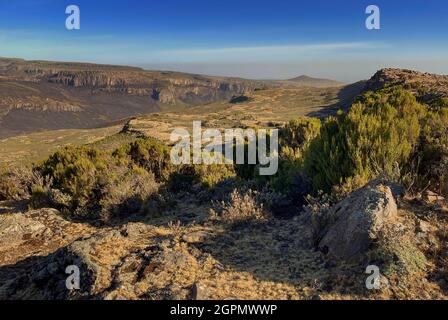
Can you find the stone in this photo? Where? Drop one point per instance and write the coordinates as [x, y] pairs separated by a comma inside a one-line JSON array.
[[16, 228], [423, 226], [195, 237], [200, 292], [432, 197], [354, 223]]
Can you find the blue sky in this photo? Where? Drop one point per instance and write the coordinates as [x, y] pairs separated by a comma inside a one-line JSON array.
[[247, 38]]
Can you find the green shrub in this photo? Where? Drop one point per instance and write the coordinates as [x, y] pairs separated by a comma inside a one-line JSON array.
[[127, 192], [150, 154], [42, 194], [75, 171], [15, 183], [202, 175], [373, 138], [251, 171], [294, 139], [92, 184], [433, 152], [441, 103], [296, 135]]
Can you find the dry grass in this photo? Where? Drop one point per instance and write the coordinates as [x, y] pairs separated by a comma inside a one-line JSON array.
[[264, 108], [242, 207], [36, 146]]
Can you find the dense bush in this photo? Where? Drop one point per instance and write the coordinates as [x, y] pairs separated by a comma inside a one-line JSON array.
[[15, 183], [373, 138], [296, 136], [433, 152], [294, 139], [439, 104], [93, 184], [128, 191], [205, 176], [385, 133], [150, 154], [75, 171]]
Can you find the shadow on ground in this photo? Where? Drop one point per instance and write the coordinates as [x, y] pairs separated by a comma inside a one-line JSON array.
[[345, 97]]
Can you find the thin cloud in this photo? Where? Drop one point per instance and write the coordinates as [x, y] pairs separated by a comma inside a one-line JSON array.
[[260, 52], [296, 48]]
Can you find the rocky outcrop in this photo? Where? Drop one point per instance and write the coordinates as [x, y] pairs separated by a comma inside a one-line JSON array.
[[36, 103], [131, 262], [157, 259], [356, 222], [36, 232], [425, 86]]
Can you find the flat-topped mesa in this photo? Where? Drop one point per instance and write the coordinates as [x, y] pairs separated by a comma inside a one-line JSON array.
[[426, 86]]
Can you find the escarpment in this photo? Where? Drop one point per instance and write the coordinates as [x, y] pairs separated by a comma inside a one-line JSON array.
[[40, 95], [163, 87]]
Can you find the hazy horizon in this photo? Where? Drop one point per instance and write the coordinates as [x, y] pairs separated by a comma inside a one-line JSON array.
[[253, 40]]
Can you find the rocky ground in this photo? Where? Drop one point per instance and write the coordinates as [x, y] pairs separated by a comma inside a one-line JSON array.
[[186, 254]]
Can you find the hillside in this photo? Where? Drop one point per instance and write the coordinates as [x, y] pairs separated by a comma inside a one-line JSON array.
[[362, 190]]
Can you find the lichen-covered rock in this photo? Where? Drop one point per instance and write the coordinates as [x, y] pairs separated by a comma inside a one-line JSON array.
[[36, 232], [355, 222]]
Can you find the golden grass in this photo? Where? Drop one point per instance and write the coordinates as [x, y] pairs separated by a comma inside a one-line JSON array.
[[36, 146]]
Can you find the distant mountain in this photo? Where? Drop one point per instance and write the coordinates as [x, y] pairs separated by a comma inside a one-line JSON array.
[[315, 82]]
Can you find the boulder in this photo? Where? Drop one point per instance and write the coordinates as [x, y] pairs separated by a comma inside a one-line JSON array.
[[134, 261], [432, 197], [17, 228], [354, 224], [200, 291], [195, 237], [36, 232]]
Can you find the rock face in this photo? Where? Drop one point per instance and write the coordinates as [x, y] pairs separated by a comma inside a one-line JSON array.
[[355, 222], [138, 260]]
